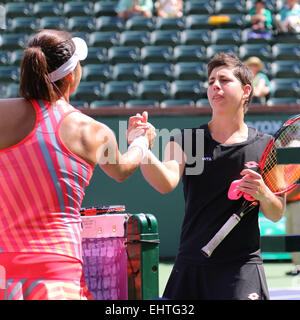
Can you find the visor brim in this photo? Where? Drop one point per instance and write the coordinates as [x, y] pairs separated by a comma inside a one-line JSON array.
[[81, 49]]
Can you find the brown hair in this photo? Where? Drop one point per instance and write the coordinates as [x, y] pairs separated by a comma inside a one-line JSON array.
[[46, 52], [240, 70]]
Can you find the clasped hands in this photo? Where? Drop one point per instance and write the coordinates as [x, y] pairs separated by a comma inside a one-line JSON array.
[[138, 125]]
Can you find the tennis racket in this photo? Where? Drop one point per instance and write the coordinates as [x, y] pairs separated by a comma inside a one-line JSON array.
[[92, 211], [279, 178]]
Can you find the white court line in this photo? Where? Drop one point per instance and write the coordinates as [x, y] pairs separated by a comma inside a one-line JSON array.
[[285, 294]]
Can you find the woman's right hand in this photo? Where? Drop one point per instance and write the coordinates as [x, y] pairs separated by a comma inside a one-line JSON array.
[[138, 125]]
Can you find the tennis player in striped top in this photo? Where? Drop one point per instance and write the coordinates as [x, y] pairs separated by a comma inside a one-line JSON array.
[[48, 151]]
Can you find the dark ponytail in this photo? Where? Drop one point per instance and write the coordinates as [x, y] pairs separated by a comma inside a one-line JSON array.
[[34, 82], [46, 52]]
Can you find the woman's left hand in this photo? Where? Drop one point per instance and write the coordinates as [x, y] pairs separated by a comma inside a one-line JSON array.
[[253, 184]]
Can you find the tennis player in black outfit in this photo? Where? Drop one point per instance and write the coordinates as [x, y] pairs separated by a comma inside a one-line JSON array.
[[231, 151]]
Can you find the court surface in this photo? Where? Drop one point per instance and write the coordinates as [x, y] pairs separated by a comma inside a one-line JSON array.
[[281, 286]]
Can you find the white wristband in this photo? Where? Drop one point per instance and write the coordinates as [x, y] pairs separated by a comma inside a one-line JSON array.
[[142, 143]]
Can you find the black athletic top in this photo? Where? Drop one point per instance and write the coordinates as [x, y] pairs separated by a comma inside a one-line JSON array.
[[207, 206]]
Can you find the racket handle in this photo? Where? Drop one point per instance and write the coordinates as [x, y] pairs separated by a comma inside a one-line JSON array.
[[208, 249]]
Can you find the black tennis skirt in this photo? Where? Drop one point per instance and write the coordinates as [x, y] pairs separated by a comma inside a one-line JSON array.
[[234, 281]]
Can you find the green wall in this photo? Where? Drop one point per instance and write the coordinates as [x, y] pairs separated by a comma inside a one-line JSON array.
[[139, 196]]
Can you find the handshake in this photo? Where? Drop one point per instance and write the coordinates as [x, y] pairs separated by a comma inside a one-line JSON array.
[[140, 133]]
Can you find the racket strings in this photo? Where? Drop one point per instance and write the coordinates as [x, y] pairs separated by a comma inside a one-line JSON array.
[[279, 177]]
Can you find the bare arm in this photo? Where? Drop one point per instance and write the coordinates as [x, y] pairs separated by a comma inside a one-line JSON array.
[[96, 143], [116, 165], [273, 207], [164, 176], [261, 90]]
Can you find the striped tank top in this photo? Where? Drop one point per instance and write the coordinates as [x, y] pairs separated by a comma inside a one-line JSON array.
[[42, 187]]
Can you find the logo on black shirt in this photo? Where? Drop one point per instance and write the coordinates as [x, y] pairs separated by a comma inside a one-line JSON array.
[[251, 164]]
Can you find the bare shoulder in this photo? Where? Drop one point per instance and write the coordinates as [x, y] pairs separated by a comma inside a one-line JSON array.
[[17, 117], [82, 125], [16, 108], [76, 121], [83, 135], [14, 101]]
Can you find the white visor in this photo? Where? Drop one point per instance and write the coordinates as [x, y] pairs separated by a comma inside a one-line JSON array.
[[80, 53]]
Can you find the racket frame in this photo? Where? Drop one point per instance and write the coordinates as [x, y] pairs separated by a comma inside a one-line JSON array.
[[92, 211]]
